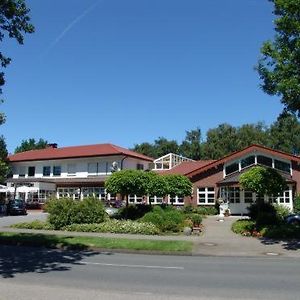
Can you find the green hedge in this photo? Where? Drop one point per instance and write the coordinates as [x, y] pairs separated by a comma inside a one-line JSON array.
[[38, 225], [63, 212]]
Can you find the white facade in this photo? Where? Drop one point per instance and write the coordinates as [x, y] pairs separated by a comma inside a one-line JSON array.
[[75, 168]]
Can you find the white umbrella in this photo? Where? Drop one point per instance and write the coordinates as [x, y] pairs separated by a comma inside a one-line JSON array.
[[26, 189]]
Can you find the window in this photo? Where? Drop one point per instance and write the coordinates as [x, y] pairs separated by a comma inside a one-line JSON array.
[[206, 195], [31, 171], [135, 199], [248, 197], [248, 161], [234, 194], [264, 160], [71, 169], [139, 166], [92, 168], [281, 165], [22, 171], [56, 170], [46, 170], [176, 200], [232, 168]]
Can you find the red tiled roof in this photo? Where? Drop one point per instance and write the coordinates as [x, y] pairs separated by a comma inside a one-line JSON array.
[[75, 152], [187, 167], [240, 153]]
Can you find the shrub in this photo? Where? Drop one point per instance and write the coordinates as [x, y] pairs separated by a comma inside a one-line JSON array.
[[116, 226], [133, 212], [167, 219], [281, 212], [244, 227], [283, 231], [297, 204], [258, 208], [196, 219], [38, 225], [63, 212], [202, 210]]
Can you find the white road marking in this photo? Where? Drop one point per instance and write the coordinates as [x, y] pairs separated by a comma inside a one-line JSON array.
[[131, 266]]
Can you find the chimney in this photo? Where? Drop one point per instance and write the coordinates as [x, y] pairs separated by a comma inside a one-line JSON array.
[[52, 145]]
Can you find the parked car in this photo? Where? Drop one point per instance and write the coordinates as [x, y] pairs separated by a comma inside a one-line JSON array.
[[293, 219], [16, 207], [111, 211]]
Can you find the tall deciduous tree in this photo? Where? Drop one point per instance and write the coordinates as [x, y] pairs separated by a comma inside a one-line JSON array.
[[14, 22], [31, 144], [279, 66], [3, 160], [191, 146], [285, 134]]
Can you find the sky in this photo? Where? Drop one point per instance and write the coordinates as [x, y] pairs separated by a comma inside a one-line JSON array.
[[130, 71]]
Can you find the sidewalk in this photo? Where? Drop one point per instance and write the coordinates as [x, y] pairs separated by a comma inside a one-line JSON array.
[[216, 240]]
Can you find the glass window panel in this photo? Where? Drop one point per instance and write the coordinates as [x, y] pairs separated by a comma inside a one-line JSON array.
[[264, 160], [71, 169], [31, 171], [248, 161], [281, 165], [46, 170], [92, 167], [56, 170], [232, 168]]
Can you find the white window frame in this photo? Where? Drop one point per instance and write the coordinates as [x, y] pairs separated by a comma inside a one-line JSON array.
[[206, 192]]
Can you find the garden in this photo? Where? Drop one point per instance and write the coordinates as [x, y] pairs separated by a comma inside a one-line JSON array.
[[89, 216]]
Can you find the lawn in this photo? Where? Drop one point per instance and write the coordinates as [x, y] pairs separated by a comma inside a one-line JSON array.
[[81, 242]]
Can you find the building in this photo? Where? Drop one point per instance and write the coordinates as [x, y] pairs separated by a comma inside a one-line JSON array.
[[81, 171], [220, 178], [75, 172]]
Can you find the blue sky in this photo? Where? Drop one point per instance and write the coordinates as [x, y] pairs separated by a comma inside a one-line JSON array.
[[130, 71]]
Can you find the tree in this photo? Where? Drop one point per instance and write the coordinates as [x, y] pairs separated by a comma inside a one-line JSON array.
[[279, 66], [178, 185], [220, 141], [31, 144], [191, 146], [285, 134], [263, 181], [127, 182], [4, 169], [249, 134], [14, 21], [146, 149], [156, 185]]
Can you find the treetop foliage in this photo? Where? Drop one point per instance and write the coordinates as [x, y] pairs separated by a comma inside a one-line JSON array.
[[279, 66], [14, 22], [31, 144], [283, 134]]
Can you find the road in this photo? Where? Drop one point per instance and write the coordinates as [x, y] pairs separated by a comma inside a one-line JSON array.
[[36, 273]]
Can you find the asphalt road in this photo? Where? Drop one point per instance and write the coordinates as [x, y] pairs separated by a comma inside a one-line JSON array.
[[36, 273], [6, 221]]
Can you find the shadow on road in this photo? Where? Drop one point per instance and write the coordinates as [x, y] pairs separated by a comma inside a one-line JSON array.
[[14, 259], [286, 244]]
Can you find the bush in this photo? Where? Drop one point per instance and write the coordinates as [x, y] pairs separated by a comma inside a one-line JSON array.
[[244, 227], [133, 212], [38, 225], [63, 212], [116, 226], [281, 212], [283, 231], [196, 219], [259, 208], [167, 219], [297, 204], [202, 210]]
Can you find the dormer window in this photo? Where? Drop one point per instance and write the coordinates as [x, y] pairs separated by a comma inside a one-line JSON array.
[[258, 159], [232, 168]]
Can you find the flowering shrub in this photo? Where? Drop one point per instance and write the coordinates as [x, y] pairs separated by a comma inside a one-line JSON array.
[[116, 226]]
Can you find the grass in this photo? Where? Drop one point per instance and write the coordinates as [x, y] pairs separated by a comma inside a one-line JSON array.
[[80, 242]]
